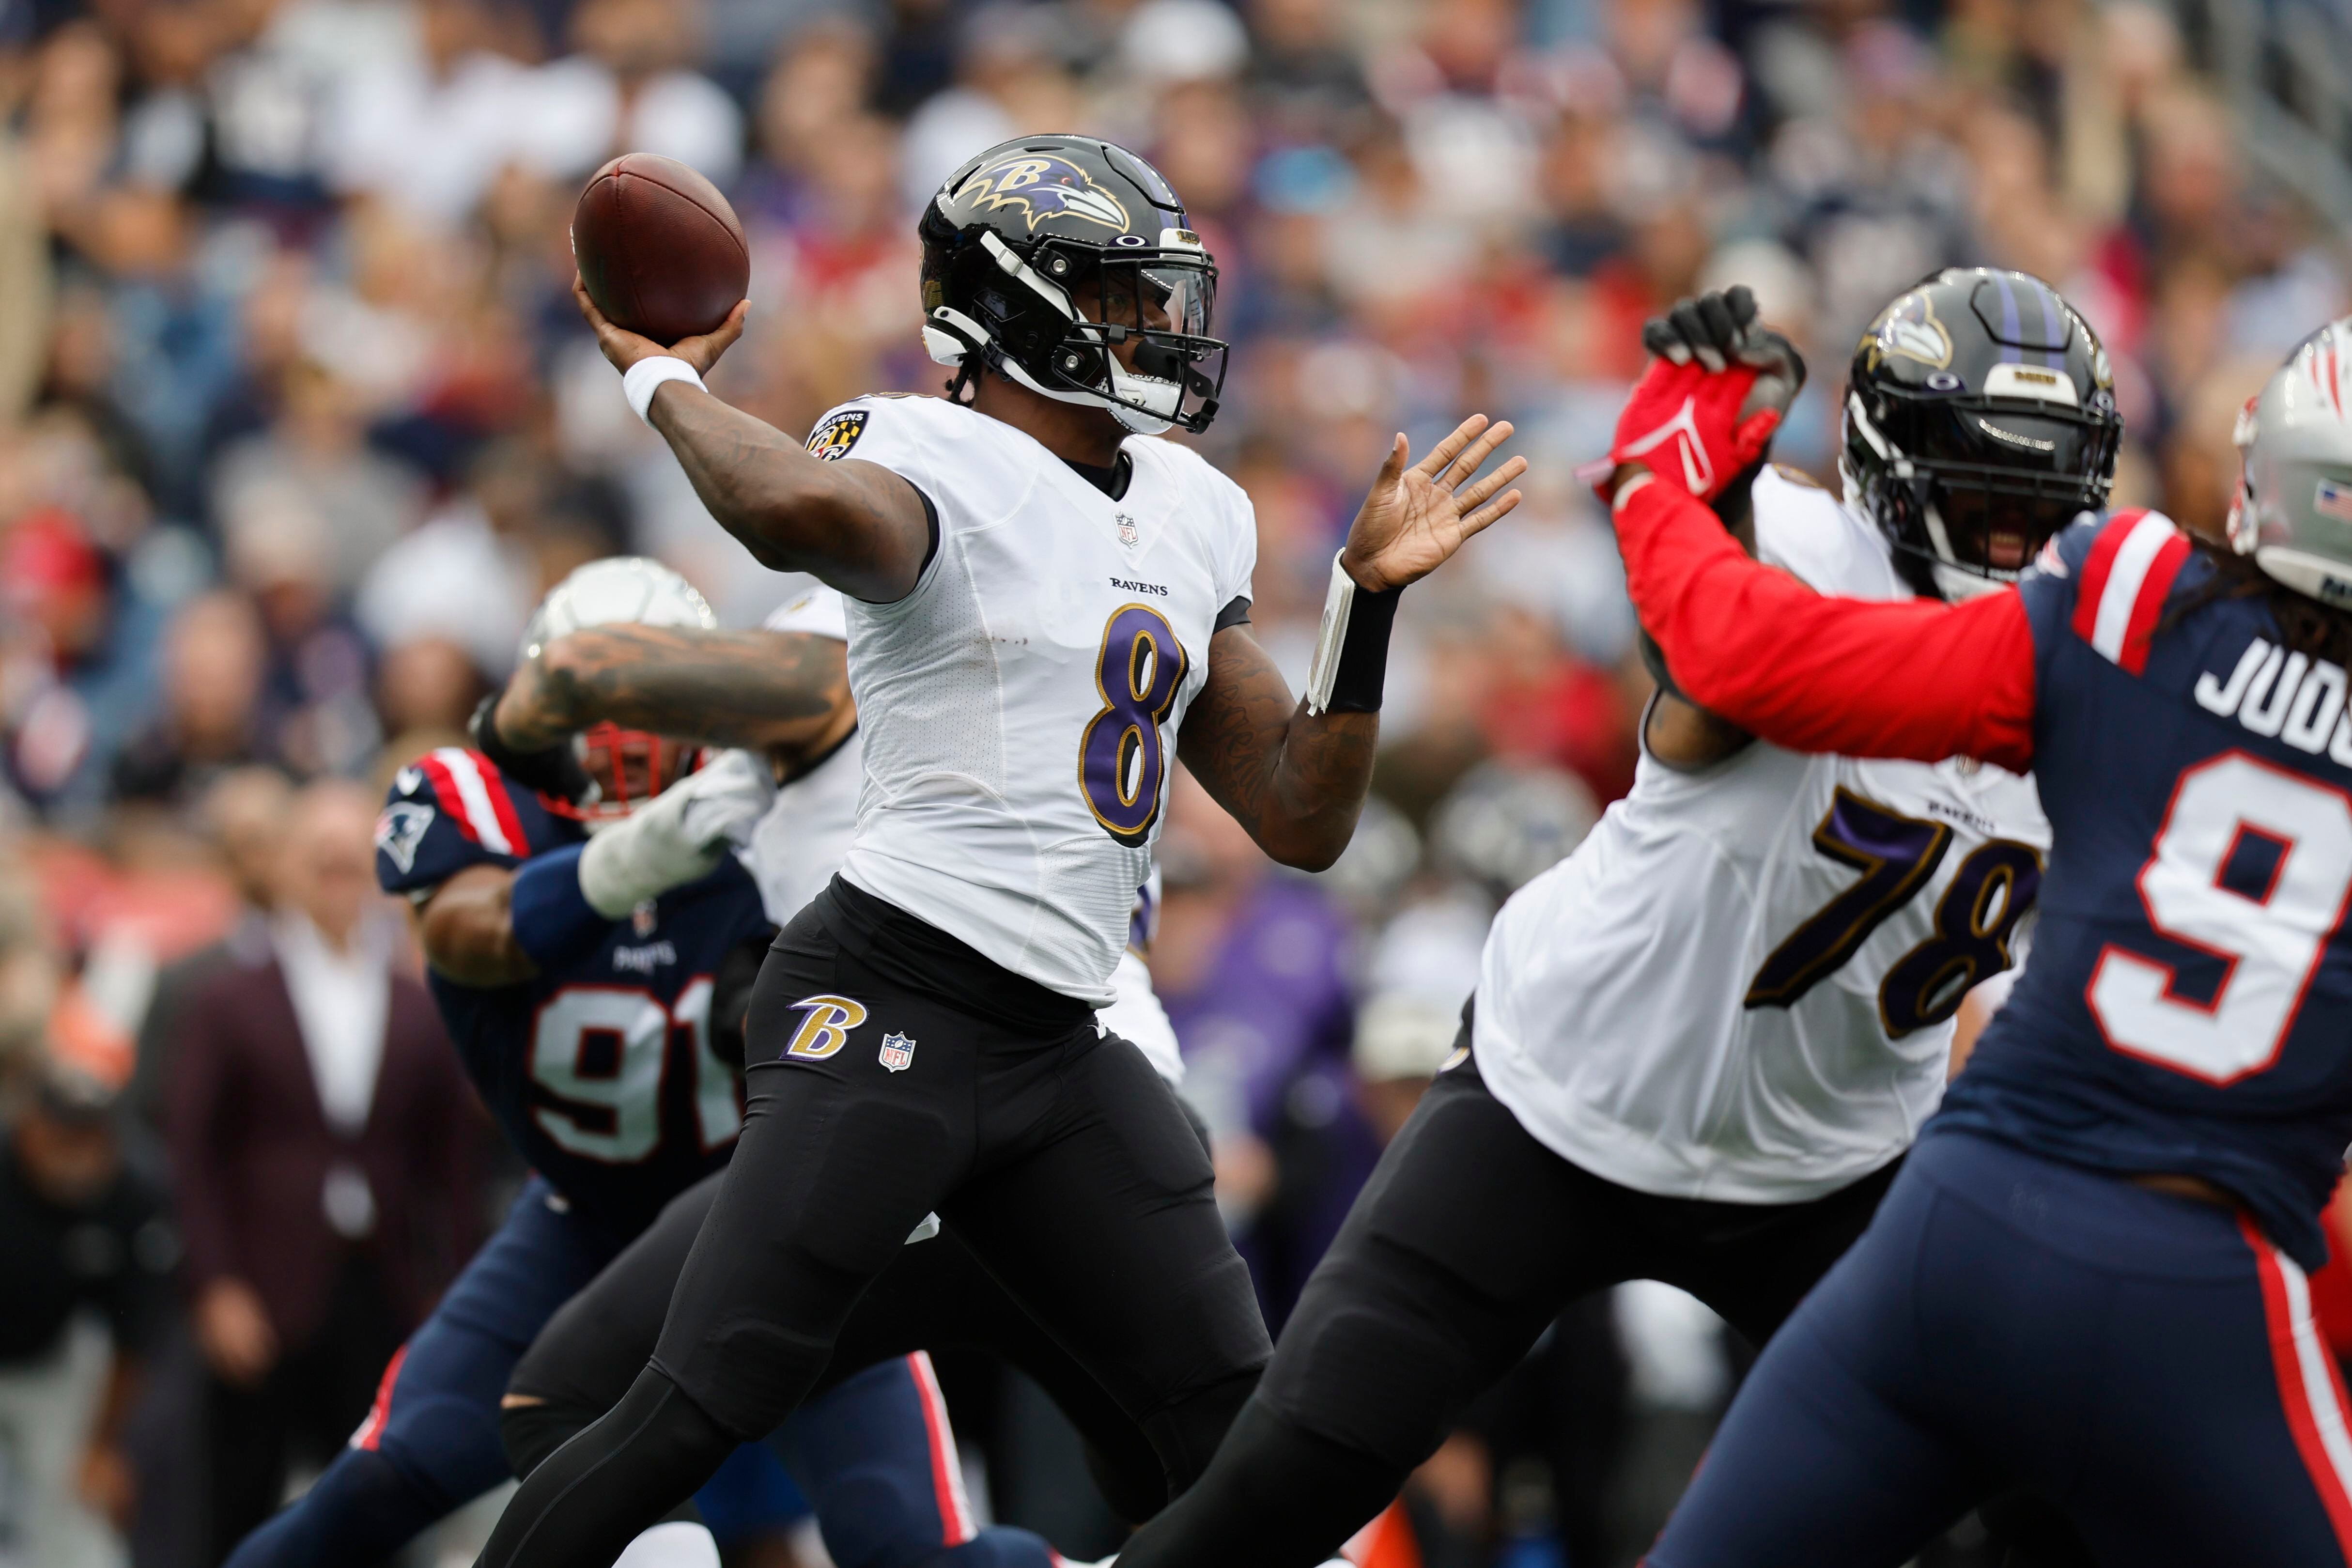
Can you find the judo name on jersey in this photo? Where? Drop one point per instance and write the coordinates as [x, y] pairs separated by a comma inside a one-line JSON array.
[[2292, 695]]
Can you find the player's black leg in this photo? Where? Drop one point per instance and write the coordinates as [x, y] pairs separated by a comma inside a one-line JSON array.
[[934, 1294], [625, 1472], [1754, 1262], [838, 1160], [1466, 1242], [595, 1345], [1101, 1221]]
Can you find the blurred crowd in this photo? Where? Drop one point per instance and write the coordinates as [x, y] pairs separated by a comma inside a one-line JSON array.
[[297, 421]]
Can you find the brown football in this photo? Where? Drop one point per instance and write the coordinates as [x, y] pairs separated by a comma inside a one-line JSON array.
[[659, 249]]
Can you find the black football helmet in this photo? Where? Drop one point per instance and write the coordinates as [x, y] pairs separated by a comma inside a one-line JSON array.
[[1067, 264], [1979, 420]]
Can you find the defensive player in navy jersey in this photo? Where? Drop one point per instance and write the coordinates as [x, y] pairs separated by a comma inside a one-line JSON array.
[[592, 1040], [2090, 1277]]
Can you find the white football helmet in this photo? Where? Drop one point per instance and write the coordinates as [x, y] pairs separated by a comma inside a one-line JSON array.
[[2293, 512], [629, 767]]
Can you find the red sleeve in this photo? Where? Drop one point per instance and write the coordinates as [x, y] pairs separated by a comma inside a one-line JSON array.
[[1916, 679]]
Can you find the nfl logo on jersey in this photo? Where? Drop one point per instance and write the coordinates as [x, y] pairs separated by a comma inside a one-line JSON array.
[[897, 1052]]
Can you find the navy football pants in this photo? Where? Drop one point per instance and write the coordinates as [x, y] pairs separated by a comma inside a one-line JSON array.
[[874, 1454], [2147, 1361]]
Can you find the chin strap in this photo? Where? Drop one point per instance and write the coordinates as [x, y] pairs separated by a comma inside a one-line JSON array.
[[952, 338]]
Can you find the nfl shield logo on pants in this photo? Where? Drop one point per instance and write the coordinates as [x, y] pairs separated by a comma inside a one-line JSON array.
[[897, 1052]]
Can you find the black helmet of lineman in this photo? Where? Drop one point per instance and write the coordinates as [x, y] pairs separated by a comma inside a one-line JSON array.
[[1066, 263], [1979, 420]]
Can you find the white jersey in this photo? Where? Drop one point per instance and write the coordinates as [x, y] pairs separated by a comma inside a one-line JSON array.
[[1021, 705], [797, 841], [801, 838], [1740, 986]]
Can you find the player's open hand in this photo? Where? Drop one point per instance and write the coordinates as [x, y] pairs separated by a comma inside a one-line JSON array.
[[1416, 517], [625, 348]]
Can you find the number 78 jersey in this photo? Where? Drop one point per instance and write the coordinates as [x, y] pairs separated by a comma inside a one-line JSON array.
[[1742, 987], [1020, 706]]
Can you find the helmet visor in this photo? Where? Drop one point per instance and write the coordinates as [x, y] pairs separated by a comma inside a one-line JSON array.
[[2036, 440], [2005, 474], [1151, 316]]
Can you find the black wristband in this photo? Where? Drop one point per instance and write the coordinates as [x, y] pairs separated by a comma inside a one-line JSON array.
[[554, 771], [1364, 653]]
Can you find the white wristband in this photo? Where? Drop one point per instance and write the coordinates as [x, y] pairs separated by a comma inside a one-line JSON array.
[[641, 380], [1330, 637]]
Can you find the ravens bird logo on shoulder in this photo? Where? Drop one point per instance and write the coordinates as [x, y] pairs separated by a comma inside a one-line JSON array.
[[832, 440]]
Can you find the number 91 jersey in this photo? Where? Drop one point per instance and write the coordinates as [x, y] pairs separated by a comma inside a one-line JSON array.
[[1020, 706], [1741, 987], [2190, 1004], [602, 1075]]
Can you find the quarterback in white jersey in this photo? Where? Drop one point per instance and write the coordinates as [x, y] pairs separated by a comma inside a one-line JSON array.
[[1046, 605], [1741, 984], [1699, 1047], [1058, 639], [784, 796]]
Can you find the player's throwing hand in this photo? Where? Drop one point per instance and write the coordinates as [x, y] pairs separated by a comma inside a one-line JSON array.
[[1416, 517], [625, 348]]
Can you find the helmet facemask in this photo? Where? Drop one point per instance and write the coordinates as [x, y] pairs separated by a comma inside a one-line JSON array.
[[628, 768], [1970, 489], [1124, 329], [1067, 265]]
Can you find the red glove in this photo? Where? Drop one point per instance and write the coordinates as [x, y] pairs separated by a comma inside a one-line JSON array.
[[1695, 428]]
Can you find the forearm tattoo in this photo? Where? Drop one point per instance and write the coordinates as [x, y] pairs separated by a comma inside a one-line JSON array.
[[724, 688], [1296, 780]]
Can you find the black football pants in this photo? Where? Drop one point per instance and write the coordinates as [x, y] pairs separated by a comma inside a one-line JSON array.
[[935, 1294], [1468, 1240], [1065, 1162]]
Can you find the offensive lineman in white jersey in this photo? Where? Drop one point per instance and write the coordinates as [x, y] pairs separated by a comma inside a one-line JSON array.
[[1042, 609], [1699, 1046]]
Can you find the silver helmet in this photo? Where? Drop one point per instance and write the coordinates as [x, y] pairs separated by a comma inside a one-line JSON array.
[[615, 589], [628, 767], [2293, 512]]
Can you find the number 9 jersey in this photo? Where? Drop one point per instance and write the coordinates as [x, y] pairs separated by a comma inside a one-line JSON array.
[[2190, 998], [1741, 987], [1020, 706]]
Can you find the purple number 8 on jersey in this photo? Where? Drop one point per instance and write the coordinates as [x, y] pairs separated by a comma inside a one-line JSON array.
[[1122, 761]]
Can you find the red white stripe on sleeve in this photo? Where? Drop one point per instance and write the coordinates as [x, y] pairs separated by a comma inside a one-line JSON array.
[[2309, 1387], [371, 1431], [2125, 580], [947, 1470], [475, 797]]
